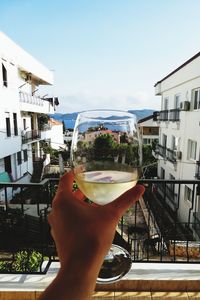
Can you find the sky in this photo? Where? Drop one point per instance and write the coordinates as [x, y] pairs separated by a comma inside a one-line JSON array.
[[105, 53]]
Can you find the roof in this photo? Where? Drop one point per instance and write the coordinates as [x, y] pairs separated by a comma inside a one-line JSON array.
[[146, 119], [180, 67], [54, 122]]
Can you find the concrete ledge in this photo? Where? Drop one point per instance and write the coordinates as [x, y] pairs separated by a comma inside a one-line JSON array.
[[142, 277]]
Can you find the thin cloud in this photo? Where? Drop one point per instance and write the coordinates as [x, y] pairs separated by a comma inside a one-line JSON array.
[[81, 101]]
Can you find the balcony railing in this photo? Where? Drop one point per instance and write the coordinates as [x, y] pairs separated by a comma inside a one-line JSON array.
[[174, 115], [171, 155], [161, 150], [28, 98], [151, 229], [164, 115], [31, 135]]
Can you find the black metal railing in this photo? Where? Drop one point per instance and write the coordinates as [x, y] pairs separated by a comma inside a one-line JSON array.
[[161, 150], [164, 114], [174, 115], [151, 229], [170, 154]]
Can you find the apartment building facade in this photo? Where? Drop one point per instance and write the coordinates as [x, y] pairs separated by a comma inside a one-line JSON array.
[[178, 151], [21, 101]]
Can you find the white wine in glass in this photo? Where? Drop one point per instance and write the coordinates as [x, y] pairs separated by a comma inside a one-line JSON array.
[[106, 156]]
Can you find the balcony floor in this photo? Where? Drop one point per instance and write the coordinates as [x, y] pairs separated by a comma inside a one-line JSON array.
[[144, 281]]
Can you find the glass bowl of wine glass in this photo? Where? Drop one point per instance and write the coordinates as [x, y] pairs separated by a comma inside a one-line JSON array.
[[106, 157]]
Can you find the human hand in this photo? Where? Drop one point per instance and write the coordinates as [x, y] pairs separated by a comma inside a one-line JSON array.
[[75, 223], [83, 234]]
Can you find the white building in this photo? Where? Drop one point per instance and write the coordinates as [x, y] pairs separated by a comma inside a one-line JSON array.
[[149, 130], [54, 134], [179, 142], [21, 77]]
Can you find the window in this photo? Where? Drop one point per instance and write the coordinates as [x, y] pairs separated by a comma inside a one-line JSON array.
[[196, 99], [192, 149], [19, 158], [165, 103], [15, 124], [174, 143], [24, 124], [188, 194], [8, 130], [177, 101], [25, 153], [162, 173], [171, 185], [4, 75]]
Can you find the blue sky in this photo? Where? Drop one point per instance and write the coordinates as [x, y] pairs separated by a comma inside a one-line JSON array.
[[105, 53]]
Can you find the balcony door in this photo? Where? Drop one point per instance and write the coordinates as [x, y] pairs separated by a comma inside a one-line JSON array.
[[7, 164]]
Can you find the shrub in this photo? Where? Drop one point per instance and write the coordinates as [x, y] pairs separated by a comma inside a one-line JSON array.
[[25, 261]]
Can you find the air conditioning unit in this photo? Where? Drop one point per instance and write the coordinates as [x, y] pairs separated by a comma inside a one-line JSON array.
[[177, 155], [185, 105]]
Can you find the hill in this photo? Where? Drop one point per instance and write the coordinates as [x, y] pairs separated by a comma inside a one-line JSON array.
[[69, 119]]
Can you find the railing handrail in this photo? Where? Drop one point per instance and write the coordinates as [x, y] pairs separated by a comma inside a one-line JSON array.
[[141, 181]]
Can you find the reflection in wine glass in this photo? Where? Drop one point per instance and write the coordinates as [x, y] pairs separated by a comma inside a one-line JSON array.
[[106, 156]]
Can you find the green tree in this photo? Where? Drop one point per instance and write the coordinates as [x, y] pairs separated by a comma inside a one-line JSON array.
[[42, 120], [103, 147]]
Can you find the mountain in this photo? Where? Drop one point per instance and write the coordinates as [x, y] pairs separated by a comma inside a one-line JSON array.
[[142, 113], [69, 119]]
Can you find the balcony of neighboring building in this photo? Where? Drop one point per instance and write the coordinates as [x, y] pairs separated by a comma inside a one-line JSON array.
[[165, 252], [164, 115], [173, 155], [161, 150], [172, 115], [31, 136], [32, 103]]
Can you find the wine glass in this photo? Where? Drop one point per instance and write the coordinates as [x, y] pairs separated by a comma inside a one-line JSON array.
[[106, 157]]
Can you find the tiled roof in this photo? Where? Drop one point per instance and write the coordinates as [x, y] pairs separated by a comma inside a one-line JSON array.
[[54, 122]]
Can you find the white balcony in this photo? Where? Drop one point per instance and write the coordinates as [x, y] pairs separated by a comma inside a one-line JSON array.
[[35, 104]]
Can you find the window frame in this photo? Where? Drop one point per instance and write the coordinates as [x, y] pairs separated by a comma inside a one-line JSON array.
[[19, 158], [4, 75], [25, 155], [188, 194], [196, 102], [192, 153], [8, 126], [15, 125]]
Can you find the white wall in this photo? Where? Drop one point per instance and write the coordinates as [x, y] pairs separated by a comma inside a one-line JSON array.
[[18, 62], [18, 56], [57, 139], [182, 83]]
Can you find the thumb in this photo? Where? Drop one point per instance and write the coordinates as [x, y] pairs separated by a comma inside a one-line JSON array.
[[123, 202]]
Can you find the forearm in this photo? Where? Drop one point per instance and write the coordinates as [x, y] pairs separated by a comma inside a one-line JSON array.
[[77, 279], [67, 287]]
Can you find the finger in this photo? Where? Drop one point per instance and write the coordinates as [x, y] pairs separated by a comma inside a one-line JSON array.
[[66, 182], [122, 203]]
